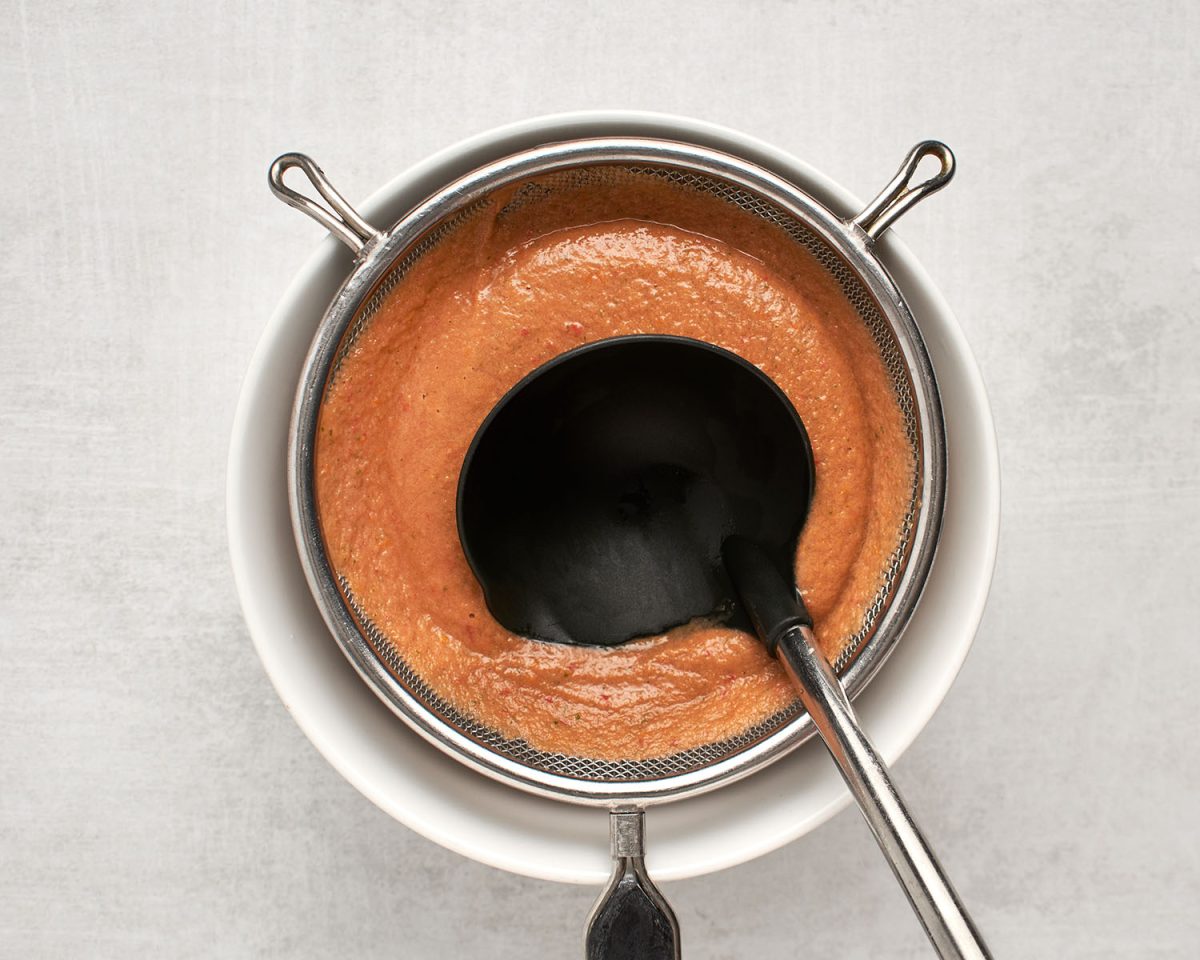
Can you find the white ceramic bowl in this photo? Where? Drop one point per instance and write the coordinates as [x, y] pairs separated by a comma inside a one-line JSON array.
[[443, 800]]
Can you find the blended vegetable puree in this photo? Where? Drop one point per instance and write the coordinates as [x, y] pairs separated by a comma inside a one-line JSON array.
[[506, 292]]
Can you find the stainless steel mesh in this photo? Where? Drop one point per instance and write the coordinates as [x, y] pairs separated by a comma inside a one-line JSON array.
[[534, 191]]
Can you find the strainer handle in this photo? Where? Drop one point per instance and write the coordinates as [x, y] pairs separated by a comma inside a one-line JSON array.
[[942, 914], [631, 920], [339, 218], [901, 193]]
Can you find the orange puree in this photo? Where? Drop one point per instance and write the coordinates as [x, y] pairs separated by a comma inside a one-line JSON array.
[[503, 294]]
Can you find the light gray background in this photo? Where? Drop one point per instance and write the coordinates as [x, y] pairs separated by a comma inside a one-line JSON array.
[[156, 800]]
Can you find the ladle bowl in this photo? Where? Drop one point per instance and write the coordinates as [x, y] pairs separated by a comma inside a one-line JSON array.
[[595, 498]]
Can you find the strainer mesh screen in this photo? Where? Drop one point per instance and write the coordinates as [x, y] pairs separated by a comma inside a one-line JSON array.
[[626, 771]]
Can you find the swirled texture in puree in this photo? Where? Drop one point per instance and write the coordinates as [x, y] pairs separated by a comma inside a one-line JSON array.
[[504, 294]]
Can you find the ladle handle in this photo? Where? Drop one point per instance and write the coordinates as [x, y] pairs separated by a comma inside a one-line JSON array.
[[929, 891]]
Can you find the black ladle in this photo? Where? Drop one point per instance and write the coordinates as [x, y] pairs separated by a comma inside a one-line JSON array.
[[636, 483]]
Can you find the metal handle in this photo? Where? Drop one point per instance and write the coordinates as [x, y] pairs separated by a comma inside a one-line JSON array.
[[896, 198], [631, 920], [929, 891], [340, 219]]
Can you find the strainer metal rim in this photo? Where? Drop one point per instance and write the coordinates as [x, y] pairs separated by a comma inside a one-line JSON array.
[[377, 255]]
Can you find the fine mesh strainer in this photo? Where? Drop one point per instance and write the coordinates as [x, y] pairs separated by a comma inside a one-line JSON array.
[[843, 247]]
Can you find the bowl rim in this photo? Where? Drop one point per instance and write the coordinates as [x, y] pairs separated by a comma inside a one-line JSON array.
[[298, 692]]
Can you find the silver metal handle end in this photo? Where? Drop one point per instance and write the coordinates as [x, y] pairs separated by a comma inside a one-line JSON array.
[[631, 920]]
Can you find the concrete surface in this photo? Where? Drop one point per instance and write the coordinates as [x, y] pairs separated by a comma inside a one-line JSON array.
[[155, 798]]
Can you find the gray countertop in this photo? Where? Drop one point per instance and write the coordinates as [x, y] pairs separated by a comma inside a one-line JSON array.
[[156, 799]]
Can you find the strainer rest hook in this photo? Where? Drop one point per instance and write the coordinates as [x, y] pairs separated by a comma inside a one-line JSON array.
[[900, 194], [340, 219]]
